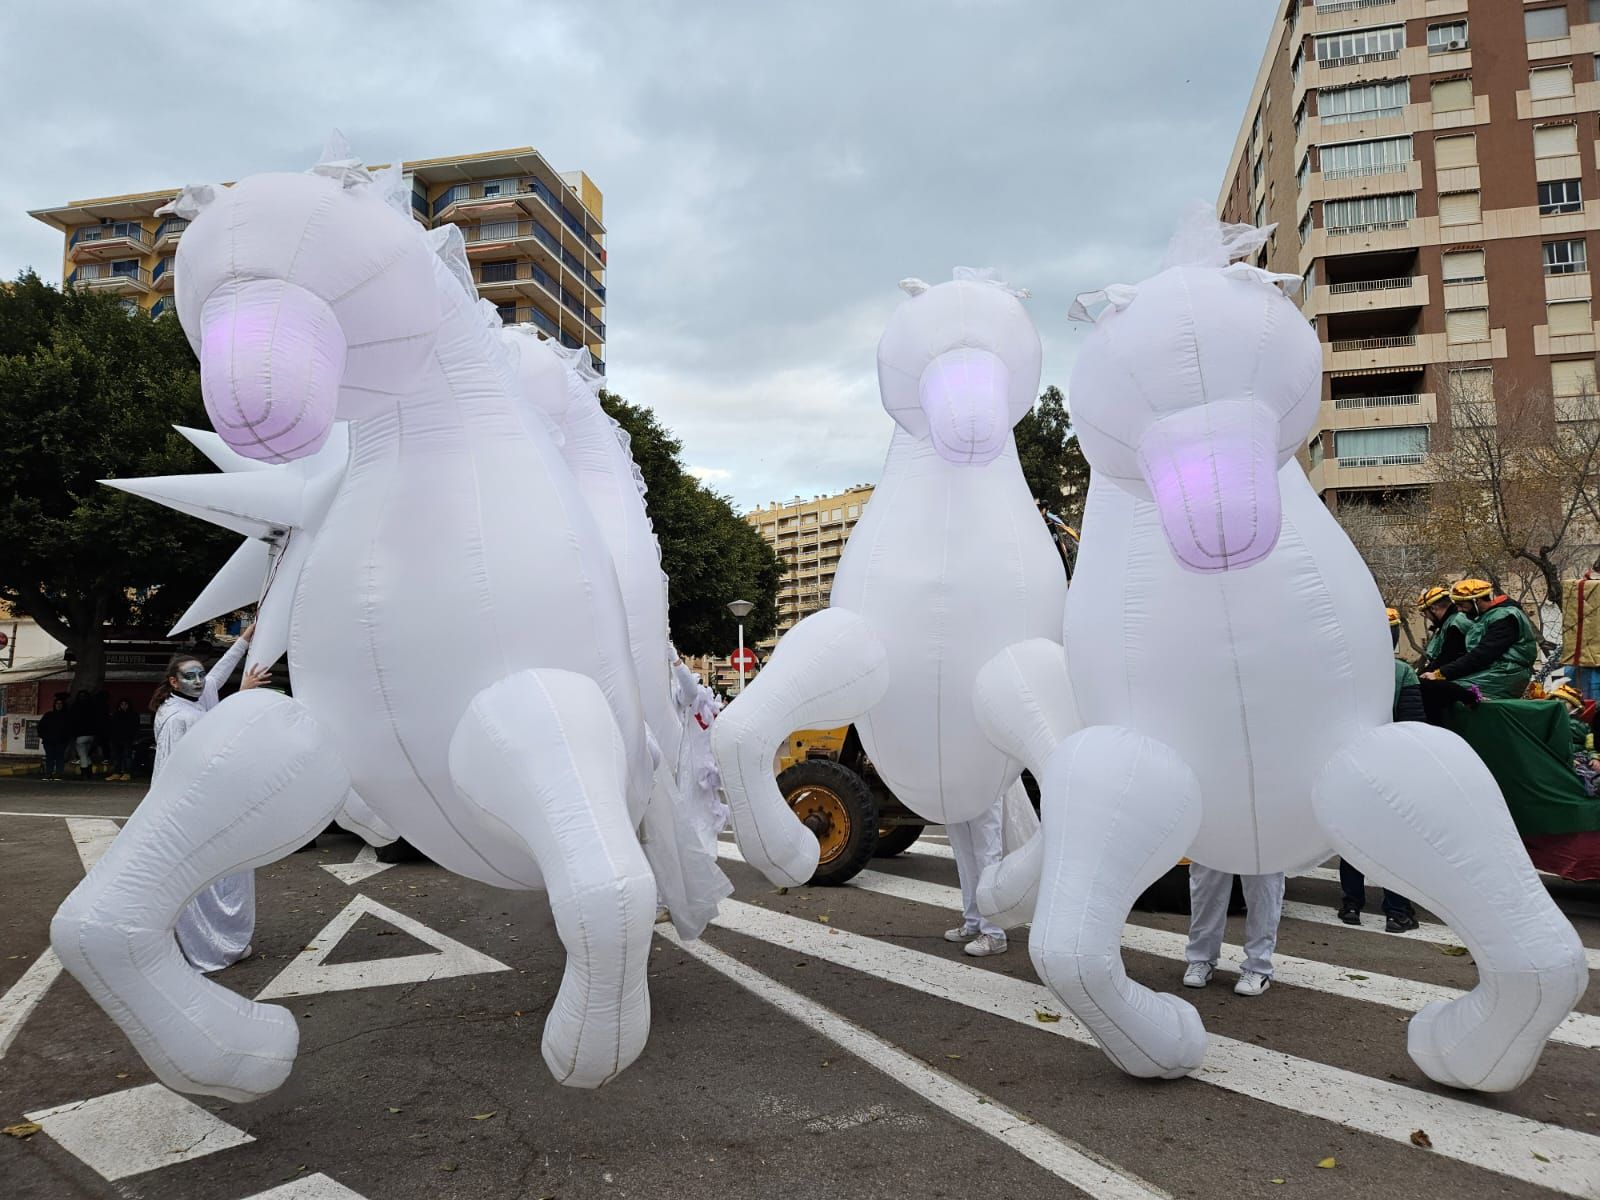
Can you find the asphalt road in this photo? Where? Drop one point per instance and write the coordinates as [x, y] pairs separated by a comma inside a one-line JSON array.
[[822, 1042]]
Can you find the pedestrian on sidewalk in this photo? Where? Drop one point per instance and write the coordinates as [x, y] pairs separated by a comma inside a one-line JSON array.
[[124, 734], [1208, 919], [55, 732], [977, 844], [84, 729], [1399, 915], [215, 929]]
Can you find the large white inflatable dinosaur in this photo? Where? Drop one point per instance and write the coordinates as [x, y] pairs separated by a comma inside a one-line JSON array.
[[949, 563], [1226, 688], [467, 669]]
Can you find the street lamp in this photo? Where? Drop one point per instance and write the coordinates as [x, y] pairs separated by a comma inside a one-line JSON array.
[[740, 609]]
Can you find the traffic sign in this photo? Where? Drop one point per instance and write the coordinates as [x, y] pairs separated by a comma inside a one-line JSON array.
[[745, 658]]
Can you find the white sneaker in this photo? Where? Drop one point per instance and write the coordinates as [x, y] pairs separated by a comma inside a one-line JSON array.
[[1251, 983], [986, 944], [962, 933], [1198, 974]]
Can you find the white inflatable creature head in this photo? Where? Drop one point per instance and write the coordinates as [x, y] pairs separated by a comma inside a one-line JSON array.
[[308, 298], [1168, 408], [958, 364]]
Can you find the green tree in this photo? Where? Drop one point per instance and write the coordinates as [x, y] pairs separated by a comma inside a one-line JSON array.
[[1052, 462], [90, 392], [710, 554]]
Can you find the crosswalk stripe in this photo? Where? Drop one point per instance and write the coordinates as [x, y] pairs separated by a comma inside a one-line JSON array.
[[935, 850], [1391, 991], [1063, 1158], [1567, 1160]]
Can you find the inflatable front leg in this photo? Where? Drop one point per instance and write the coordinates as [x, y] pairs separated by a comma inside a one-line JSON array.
[[1023, 702], [1119, 810], [539, 755], [252, 782], [827, 671], [1414, 808]]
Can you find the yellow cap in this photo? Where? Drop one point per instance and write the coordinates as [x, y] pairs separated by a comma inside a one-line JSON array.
[[1432, 596], [1394, 616], [1471, 589]]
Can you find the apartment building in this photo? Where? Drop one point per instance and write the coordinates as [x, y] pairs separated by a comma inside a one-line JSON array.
[[1431, 168], [535, 236]]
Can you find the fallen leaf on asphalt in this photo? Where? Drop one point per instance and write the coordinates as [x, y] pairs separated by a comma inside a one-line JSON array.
[[447, 1166], [1358, 977], [395, 1110], [1419, 1137], [823, 918], [482, 1116], [1048, 1018], [1327, 1164], [952, 1056], [1540, 1157], [783, 891], [1453, 951], [1277, 1181], [122, 1075], [25, 1129]]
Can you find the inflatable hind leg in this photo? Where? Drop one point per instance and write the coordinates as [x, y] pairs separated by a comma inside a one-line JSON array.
[[827, 671], [249, 784], [1119, 810], [1415, 809], [1023, 701], [539, 755]]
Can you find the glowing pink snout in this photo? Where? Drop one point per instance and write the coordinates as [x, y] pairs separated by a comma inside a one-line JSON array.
[[271, 358]]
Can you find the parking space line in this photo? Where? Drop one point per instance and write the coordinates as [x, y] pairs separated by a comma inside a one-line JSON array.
[[1063, 1158], [1564, 1160]]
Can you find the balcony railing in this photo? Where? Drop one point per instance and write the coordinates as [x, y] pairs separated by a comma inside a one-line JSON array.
[[522, 187], [1394, 168], [171, 227], [1334, 6], [101, 274], [1371, 227], [130, 230], [1377, 401], [1376, 343], [1384, 460], [515, 272], [162, 267], [1371, 285], [1356, 60], [511, 314], [505, 231], [1366, 114], [163, 306]]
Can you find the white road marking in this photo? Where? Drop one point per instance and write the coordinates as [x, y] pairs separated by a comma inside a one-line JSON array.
[[365, 866], [1391, 991], [1568, 1161], [91, 836], [309, 974], [934, 850], [312, 1187], [141, 1129], [56, 816], [1063, 1158]]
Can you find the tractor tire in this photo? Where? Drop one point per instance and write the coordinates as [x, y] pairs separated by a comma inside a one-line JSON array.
[[896, 839], [839, 807]]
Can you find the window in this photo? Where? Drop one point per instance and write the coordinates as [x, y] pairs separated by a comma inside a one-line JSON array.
[[1463, 266], [1572, 378], [1363, 101], [1294, 63], [125, 266], [1255, 173], [1549, 83], [498, 272], [1560, 196], [1381, 447], [1554, 141], [1452, 95], [1471, 386], [1261, 214], [1364, 211], [1452, 35], [1361, 44], [1309, 280], [1542, 24], [1314, 449], [1460, 208], [1346, 159], [1568, 317], [1305, 228], [1459, 150], [1594, 11], [1300, 112], [1467, 325], [1566, 257], [1304, 173]]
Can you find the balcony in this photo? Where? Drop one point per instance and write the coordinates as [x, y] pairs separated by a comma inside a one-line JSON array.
[[1366, 412], [163, 306], [97, 243], [511, 314], [1338, 6], [164, 277], [466, 201], [499, 236], [1407, 470], [116, 278], [1372, 295], [168, 233]]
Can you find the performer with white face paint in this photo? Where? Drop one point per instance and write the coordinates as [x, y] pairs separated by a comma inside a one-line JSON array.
[[214, 930]]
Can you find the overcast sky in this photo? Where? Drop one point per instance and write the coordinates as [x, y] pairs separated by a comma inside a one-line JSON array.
[[771, 170]]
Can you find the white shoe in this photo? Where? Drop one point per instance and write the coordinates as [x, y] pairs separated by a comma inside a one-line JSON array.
[[986, 944], [1251, 983], [1198, 974], [961, 933]]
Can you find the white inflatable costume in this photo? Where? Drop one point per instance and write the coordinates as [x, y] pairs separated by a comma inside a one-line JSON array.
[[949, 563], [457, 636], [1226, 688]]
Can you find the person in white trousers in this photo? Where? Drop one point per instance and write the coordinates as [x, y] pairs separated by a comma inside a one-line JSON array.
[[977, 844], [1208, 917]]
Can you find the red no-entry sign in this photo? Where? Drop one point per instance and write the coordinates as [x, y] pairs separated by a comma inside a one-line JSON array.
[[745, 658]]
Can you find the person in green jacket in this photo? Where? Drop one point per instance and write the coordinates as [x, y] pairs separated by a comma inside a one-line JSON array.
[[1500, 647], [1447, 625]]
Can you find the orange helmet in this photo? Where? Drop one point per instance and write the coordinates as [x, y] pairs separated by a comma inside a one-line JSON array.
[[1394, 617], [1471, 589], [1432, 596]]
